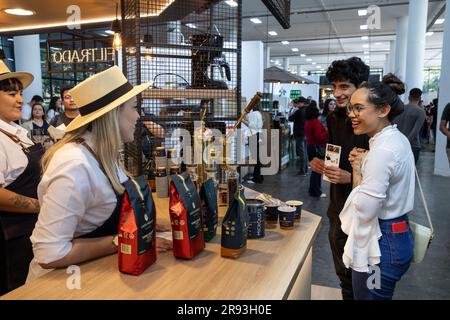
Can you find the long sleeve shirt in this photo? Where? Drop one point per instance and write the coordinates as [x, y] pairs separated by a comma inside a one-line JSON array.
[[386, 192], [316, 133]]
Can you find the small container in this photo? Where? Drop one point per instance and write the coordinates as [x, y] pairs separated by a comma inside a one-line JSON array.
[[162, 183], [271, 214], [255, 209], [286, 214], [160, 157], [172, 158], [298, 209]]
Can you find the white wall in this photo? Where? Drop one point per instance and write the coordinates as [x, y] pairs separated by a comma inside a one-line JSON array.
[[252, 68], [27, 54], [307, 89]]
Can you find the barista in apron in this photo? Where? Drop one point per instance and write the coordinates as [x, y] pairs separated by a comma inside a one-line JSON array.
[[81, 187], [19, 178]]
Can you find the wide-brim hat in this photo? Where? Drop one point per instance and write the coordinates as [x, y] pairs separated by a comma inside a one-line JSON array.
[[101, 93], [25, 78]]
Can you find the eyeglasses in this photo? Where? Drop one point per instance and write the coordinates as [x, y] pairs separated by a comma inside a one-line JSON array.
[[355, 109]]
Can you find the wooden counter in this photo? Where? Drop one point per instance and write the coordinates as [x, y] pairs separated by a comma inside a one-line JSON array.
[[277, 266]]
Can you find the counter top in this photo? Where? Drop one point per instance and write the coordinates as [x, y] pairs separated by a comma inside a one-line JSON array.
[[266, 270]]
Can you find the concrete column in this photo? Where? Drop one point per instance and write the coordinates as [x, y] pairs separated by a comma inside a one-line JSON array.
[[27, 53], [415, 53], [286, 63], [441, 162], [391, 65], [401, 41], [267, 56]]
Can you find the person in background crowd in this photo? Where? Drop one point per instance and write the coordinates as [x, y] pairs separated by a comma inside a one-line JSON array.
[[26, 108], [316, 138], [433, 115], [70, 109], [444, 127], [411, 120], [297, 116], [54, 108], [309, 99], [37, 121], [81, 189], [328, 107], [346, 76], [313, 103], [19, 177], [375, 216], [254, 122]]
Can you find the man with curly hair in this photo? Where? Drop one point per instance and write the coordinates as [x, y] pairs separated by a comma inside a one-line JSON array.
[[345, 76]]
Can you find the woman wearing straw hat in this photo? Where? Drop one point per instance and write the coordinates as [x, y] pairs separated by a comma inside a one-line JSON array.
[[19, 178], [81, 188]]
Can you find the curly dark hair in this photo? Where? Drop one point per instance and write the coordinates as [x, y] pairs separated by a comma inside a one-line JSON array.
[[11, 84], [352, 69], [385, 93]]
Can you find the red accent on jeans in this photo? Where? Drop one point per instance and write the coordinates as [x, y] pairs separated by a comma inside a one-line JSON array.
[[399, 227]]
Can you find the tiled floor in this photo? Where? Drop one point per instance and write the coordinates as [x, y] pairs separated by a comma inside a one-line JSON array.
[[427, 280]]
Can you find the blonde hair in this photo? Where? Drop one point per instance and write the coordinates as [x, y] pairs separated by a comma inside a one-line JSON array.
[[106, 143]]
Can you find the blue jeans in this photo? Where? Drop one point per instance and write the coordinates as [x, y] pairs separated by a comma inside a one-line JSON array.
[[300, 146], [397, 249]]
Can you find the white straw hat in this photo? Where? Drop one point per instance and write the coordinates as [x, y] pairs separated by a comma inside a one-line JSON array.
[[25, 78], [101, 93]]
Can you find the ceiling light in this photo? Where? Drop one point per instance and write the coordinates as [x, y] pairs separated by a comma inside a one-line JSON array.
[[377, 43], [191, 25], [303, 55], [10, 39], [430, 33], [364, 38], [255, 20], [366, 57], [109, 32], [365, 45], [19, 12], [272, 61], [366, 52], [294, 49], [439, 21], [318, 67], [314, 63], [273, 33], [308, 59], [231, 3], [285, 42], [362, 12], [363, 27]]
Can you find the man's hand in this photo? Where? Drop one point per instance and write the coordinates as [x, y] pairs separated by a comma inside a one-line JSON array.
[[317, 165], [337, 175]]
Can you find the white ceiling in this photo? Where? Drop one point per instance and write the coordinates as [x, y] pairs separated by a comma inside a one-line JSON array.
[[326, 30]]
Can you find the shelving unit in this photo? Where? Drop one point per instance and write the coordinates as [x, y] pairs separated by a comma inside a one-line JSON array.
[[191, 50]]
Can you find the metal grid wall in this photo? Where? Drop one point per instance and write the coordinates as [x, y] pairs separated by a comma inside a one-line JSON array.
[[191, 50]]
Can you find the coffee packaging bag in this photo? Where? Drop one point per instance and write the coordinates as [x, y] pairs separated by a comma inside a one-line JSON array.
[[208, 196]]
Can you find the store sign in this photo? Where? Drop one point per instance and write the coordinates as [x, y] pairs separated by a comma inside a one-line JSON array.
[[295, 94], [80, 55], [83, 56]]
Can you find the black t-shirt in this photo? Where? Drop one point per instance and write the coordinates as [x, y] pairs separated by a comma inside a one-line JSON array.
[[60, 119], [340, 133], [298, 117], [446, 117]]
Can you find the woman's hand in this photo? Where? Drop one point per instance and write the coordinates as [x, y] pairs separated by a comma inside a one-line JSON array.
[[356, 159]]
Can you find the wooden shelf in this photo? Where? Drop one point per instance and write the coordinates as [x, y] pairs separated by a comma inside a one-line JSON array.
[[188, 94]]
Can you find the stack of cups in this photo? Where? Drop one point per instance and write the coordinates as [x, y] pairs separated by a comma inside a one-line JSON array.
[[298, 209]]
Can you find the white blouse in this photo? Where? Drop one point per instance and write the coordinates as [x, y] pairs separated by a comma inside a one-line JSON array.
[[386, 192], [13, 160], [75, 197]]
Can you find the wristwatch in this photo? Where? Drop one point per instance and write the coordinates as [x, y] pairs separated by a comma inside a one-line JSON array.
[[115, 240]]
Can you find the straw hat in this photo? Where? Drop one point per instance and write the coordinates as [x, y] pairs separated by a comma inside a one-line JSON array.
[[101, 93], [25, 78]]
